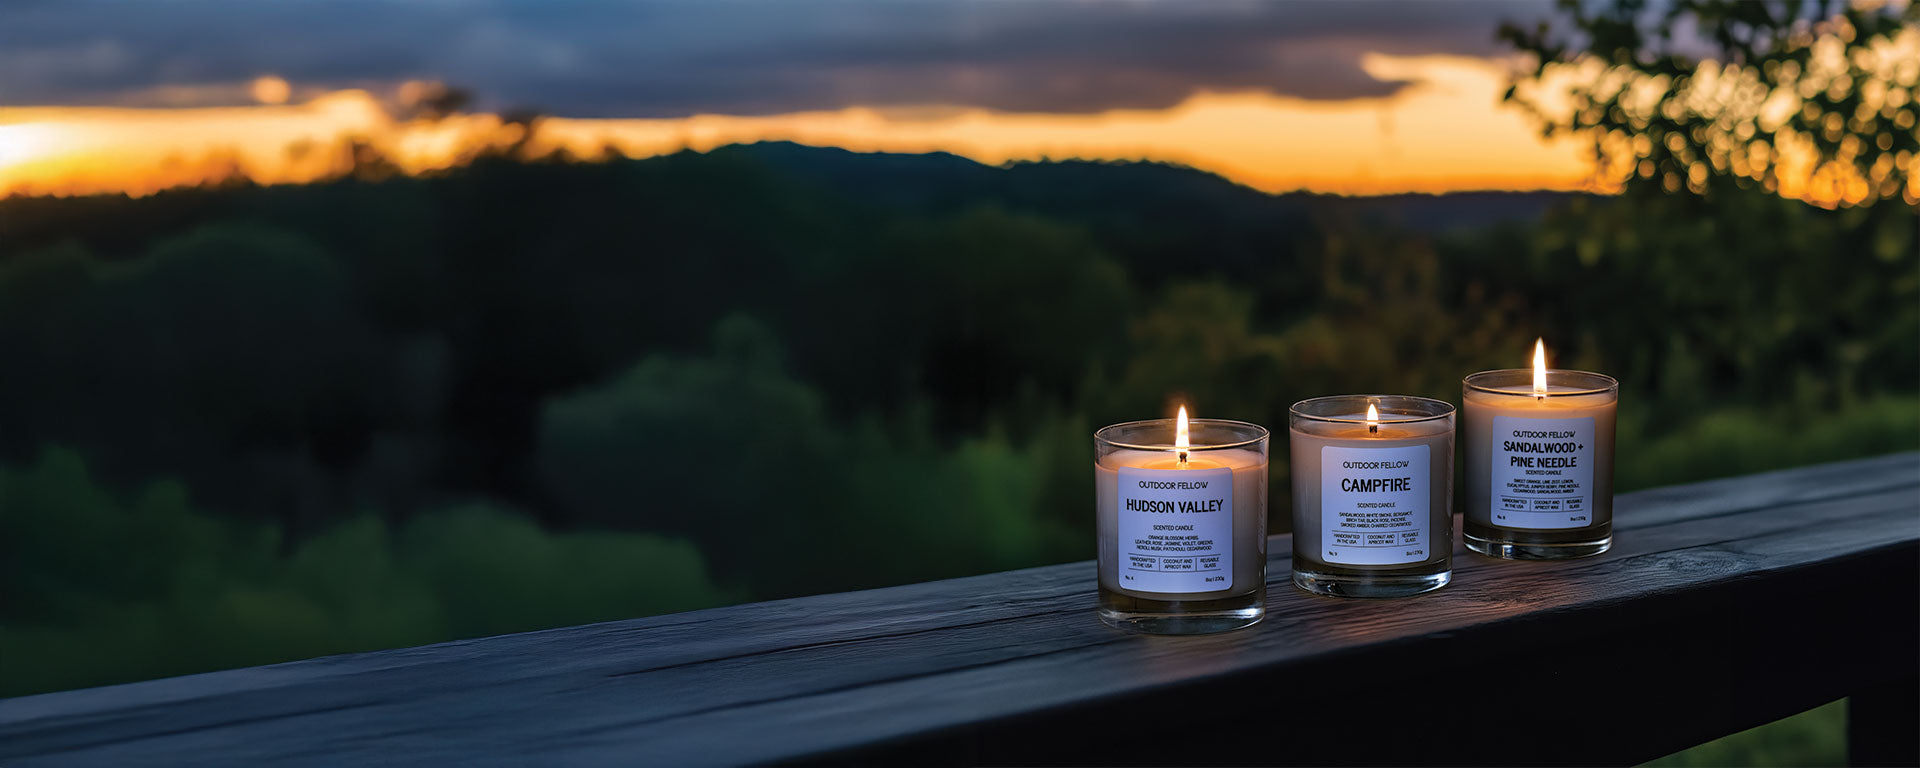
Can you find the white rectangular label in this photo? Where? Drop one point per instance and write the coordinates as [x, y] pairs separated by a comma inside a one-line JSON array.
[[1375, 504], [1176, 529], [1542, 472]]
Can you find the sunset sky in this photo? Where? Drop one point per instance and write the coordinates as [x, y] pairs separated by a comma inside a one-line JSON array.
[[1359, 98]]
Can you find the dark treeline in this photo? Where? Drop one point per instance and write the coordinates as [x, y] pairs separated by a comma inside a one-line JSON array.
[[423, 407]]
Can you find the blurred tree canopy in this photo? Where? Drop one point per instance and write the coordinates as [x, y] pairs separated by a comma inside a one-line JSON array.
[[1801, 98], [100, 586]]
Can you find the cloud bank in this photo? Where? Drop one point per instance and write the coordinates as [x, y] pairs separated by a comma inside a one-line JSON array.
[[738, 57]]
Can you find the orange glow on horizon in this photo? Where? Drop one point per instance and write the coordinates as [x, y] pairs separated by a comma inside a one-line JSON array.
[[1445, 132], [25, 142]]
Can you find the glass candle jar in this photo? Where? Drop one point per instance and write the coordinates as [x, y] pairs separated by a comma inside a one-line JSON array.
[[1182, 531], [1372, 495], [1539, 463]]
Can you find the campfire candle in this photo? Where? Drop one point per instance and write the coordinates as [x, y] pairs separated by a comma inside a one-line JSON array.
[[1181, 513], [1372, 495], [1539, 461]]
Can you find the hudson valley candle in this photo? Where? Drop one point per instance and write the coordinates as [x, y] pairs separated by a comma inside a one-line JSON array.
[[1372, 495], [1539, 461], [1181, 512]]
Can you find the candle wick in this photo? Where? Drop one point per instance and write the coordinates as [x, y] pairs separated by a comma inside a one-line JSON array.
[[1374, 428], [1182, 456]]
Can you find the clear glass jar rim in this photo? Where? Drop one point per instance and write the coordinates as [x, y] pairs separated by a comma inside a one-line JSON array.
[[1261, 434], [1612, 385], [1444, 408]]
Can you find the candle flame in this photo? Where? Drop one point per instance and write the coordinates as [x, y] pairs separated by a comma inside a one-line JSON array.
[[1373, 418], [1539, 368], [1180, 440]]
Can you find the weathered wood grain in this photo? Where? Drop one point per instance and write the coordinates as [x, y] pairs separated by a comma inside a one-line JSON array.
[[1723, 605]]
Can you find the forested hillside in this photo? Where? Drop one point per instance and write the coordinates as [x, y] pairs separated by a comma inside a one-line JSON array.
[[248, 424]]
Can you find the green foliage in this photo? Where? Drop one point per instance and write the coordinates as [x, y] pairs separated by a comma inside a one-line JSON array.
[[98, 587], [1808, 98], [1814, 737], [734, 453], [1747, 298], [986, 298], [1738, 441], [229, 343]]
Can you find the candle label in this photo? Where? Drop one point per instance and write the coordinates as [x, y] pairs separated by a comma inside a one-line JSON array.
[[1176, 529], [1375, 504], [1542, 472]]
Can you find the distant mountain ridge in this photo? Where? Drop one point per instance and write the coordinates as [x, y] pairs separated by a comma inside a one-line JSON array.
[[936, 179]]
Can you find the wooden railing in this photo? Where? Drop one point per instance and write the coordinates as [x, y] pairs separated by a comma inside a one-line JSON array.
[[1723, 605]]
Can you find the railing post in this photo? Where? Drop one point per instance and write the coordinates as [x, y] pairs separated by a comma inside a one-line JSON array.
[[1882, 725]]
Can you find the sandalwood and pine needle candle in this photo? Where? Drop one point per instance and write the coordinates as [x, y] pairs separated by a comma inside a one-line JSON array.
[[1181, 513], [1372, 495], [1539, 461]]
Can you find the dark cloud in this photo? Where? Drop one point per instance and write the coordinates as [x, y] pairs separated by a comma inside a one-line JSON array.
[[598, 59]]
